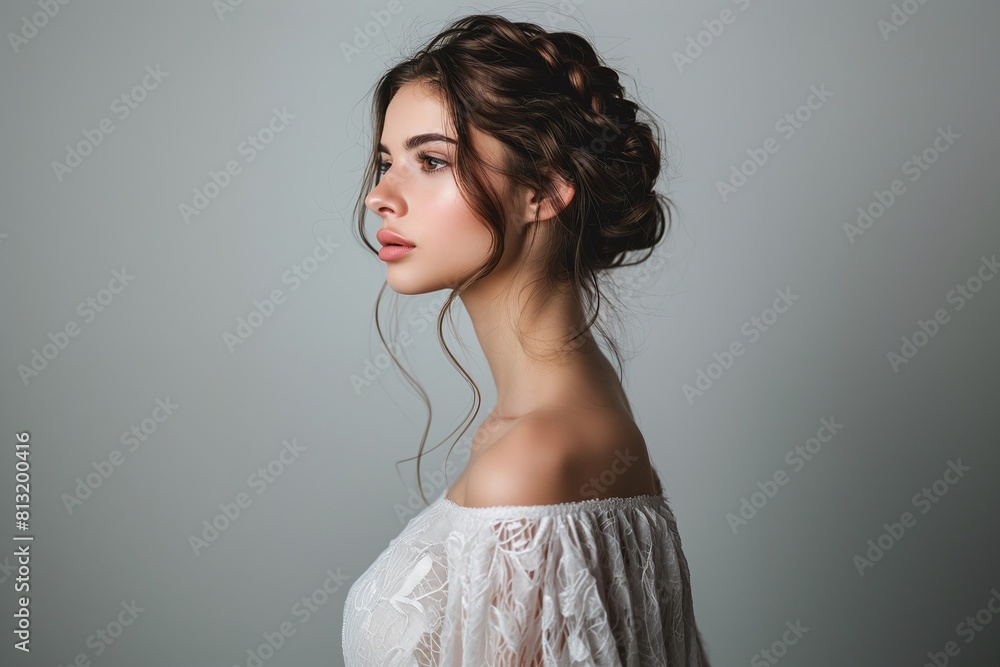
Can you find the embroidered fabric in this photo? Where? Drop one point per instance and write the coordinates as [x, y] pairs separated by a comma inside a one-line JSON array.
[[592, 582]]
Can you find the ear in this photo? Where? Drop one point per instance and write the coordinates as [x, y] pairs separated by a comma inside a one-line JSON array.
[[546, 208]]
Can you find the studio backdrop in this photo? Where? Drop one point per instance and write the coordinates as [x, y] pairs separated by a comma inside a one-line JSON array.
[[204, 441]]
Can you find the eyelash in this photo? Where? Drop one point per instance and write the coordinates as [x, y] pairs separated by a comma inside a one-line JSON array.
[[421, 157]]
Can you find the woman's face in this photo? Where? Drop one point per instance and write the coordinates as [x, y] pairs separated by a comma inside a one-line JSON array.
[[419, 199]]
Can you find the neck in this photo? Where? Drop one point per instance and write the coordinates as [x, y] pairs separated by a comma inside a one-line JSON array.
[[540, 368]]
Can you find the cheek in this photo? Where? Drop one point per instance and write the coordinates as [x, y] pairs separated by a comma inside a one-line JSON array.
[[458, 232], [462, 245]]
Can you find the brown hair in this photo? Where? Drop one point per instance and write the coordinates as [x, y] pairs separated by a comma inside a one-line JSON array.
[[557, 109]]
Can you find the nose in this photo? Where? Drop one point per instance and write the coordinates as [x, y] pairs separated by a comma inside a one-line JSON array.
[[382, 200]]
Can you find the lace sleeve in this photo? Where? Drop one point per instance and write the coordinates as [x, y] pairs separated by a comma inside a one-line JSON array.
[[522, 594], [591, 583]]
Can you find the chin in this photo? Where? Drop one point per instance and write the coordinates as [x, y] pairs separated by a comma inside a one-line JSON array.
[[415, 279], [407, 289], [403, 284]]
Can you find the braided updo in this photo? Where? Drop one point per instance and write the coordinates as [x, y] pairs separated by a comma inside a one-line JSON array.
[[560, 112], [613, 158]]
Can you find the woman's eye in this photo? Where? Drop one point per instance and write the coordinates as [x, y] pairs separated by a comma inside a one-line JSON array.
[[424, 159]]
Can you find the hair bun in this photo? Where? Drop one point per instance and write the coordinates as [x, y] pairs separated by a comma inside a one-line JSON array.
[[630, 215]]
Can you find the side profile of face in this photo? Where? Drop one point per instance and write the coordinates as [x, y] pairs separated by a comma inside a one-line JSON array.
[[418, 196]]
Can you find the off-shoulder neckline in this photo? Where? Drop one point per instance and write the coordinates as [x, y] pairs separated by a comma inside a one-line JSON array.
[[591, 504]]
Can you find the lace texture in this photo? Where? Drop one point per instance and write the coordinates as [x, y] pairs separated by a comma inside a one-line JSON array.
[[593, 582]]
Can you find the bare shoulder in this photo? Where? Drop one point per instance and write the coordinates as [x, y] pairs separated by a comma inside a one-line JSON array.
[[557, 457]]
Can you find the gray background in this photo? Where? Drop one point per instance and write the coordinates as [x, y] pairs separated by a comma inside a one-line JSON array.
[[338, 504]]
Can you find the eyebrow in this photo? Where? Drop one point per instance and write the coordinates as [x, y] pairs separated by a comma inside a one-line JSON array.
[[419, 139]]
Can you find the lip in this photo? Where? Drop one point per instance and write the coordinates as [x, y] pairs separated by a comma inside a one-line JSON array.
[[391, 252], [388, 237], [394, 246]]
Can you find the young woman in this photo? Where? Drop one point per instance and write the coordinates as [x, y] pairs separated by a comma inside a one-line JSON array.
[[510, 169]]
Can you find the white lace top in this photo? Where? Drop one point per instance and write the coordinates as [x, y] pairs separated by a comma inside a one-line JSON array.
[[593, 582]]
